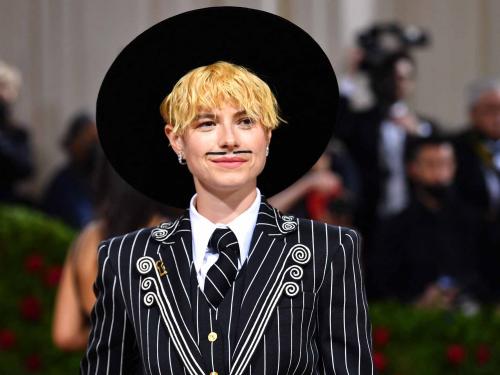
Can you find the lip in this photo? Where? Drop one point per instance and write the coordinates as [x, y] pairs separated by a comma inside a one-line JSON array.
[[229, 162]]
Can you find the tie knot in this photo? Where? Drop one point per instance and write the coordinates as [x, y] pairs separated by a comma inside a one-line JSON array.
[[224, 239]]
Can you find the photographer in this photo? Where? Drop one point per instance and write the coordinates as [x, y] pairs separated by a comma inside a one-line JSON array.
[[376, 124]]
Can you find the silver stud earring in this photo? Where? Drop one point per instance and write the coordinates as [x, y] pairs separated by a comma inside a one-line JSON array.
[[180, 157], [267, 150]]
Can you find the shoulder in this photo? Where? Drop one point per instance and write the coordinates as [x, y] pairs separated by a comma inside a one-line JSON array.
[[337, 232], [124, 245], [86, 243], [327, 238]]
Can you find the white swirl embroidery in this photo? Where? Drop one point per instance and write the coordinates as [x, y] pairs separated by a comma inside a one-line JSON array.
[[288, 223], [150, 298], [288, 226], [296, 272], [164, 231], [300, 253], [291, 289], [147, 282], [168, 225], [145, 264]]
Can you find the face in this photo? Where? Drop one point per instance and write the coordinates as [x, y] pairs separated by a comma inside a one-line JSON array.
[[404, 72], [434, 165], [485, 115], [84, 144], [225, 150]]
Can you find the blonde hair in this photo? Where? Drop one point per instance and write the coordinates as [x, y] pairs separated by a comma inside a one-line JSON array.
[[10, 82], [208, 87]]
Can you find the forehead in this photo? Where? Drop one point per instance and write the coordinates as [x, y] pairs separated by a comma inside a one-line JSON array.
[[435, 151], [489, 98]]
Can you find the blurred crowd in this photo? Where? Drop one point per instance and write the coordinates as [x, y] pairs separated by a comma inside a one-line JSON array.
[[427, 203]]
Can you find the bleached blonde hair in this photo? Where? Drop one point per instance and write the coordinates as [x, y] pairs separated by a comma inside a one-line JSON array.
[[208, 87]]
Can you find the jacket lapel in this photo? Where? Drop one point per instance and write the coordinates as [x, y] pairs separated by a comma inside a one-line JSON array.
[[269, 266], [167, 282]]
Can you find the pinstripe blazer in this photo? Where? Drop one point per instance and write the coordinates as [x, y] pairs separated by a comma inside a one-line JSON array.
[[302, 306]]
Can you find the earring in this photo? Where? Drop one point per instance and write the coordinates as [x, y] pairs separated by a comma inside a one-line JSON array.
[[267, 150], [180, 157]]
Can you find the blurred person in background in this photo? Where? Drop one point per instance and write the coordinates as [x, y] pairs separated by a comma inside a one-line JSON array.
[[478, 174], [426, 255], [376, 118], [121, 210], [69, 195], [16, 163], [327, 193]]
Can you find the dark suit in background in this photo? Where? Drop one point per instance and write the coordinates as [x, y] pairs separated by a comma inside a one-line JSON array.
[[472, 165], [420, 246]]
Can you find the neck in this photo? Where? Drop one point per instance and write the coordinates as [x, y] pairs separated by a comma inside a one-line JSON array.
[[428, 201], [223, 207]]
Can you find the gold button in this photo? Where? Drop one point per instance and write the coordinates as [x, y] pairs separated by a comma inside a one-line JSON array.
[[214, 373], [212, 336]]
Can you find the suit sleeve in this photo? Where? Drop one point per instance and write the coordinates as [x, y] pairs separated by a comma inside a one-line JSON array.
[[344, 328], [112, 348]]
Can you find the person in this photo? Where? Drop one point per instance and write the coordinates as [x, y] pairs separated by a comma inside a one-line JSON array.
[[326, 193], [232, 286], [121, 210], [69, 195], [16, 160], [375, 121], [427, 254], [478, 172]]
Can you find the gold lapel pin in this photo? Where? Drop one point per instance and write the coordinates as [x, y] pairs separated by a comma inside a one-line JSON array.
[[161, 268]]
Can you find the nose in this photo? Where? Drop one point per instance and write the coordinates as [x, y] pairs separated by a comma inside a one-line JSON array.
[[228, 138]]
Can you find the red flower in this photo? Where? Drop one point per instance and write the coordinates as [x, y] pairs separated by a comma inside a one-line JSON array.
[[7, 339], [381, 336], [483, 354], [53, 275], [33, 363], [455, 354], [31, 308], [379, 361], [33, 263]]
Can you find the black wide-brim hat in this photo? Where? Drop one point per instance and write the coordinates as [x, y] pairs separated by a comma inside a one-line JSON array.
[[131, 129]]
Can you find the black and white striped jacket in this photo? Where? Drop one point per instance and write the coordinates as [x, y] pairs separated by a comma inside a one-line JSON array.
[[298, 304]]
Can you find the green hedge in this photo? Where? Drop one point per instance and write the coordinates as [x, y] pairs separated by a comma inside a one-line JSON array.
[[410, 342], [33, 248], [32, 251]]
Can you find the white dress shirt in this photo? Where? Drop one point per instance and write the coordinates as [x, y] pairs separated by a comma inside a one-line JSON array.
[[202, 228]]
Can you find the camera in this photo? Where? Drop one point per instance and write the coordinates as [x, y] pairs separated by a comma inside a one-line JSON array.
[[383, 40]]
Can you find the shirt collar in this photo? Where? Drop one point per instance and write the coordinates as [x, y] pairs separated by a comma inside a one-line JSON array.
[[202, 228]]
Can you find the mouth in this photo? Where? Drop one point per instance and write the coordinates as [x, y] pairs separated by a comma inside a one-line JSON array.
[[228, 162]]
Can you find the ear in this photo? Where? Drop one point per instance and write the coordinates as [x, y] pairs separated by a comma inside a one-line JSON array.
[[269, 134], [175, 139]]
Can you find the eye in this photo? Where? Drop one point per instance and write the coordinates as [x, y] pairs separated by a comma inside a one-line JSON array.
[[246, 122], [205, 124]]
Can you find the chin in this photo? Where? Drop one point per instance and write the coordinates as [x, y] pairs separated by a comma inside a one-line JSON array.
[[229, 183]]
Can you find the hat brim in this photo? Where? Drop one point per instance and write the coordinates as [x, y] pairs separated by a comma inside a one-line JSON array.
[[131, 130]]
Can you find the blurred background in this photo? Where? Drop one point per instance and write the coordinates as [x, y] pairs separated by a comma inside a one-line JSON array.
[[414, 165]]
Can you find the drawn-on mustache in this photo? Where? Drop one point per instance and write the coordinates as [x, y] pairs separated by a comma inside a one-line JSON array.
[[226, 152]]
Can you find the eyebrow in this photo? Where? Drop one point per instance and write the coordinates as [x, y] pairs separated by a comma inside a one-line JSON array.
[[204, 115], [212, 116]]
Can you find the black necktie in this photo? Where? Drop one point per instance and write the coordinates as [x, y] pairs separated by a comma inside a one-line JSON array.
[[221, 275]]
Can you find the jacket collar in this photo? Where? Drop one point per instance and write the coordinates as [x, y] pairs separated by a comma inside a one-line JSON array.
[[269, 219]]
